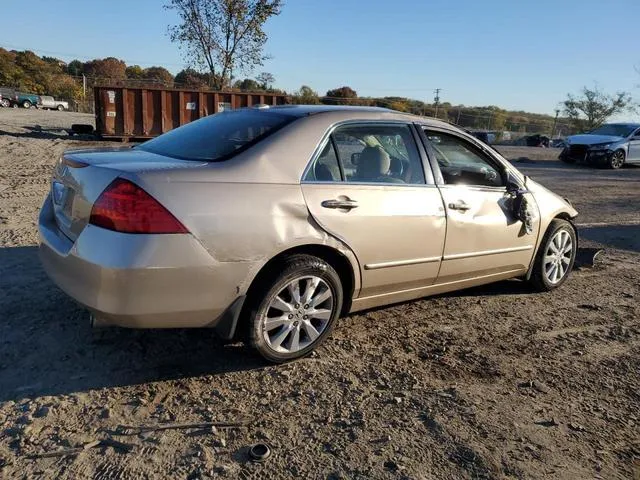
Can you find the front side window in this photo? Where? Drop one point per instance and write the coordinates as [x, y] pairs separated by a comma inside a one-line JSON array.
[[462, 163]]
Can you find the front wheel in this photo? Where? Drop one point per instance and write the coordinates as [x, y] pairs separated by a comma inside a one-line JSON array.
[[616, 160], [556, 255], [298, 309], [60, 108], [26, 104], [5, 103]]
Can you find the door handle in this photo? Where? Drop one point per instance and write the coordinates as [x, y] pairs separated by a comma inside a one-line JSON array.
[[346, 204], [459, 205]]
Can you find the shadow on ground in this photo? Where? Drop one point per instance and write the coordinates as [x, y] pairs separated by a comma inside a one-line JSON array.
[[50, 133], [48, 347], [623, 237]]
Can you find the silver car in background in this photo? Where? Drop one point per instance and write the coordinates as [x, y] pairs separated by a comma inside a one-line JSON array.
[[610, 145]]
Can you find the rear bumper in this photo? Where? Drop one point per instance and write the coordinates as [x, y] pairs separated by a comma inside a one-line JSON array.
[[140, 281]]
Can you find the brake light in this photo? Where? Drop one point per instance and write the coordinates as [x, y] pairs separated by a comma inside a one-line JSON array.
[[127, 208]]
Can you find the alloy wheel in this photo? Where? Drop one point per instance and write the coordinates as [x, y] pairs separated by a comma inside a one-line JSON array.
[[557, 258], [617, 159], [298, 314]]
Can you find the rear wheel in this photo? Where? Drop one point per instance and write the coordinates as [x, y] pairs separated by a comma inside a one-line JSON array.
[[293, 311], [5, 103], [26, 104], [555, 257], [60, 108], [616, 160]]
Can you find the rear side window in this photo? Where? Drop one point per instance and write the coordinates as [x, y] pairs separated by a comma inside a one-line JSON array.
[[217, 137], [370, 153]]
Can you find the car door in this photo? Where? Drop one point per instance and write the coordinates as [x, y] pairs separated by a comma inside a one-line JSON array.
[[367, 186], [484, 239], [634, 147]]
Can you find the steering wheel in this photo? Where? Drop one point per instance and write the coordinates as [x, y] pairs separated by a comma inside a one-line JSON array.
[[489, 174]]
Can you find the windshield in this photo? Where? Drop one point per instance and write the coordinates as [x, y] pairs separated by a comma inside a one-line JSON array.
[[614, 130], [217, 137]]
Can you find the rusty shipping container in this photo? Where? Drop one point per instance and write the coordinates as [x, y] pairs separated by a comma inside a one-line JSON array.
[[126, 113]]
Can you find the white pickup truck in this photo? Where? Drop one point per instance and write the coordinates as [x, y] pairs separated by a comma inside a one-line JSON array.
[[49, 103]]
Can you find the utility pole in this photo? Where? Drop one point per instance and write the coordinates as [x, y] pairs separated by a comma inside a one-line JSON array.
[[555, 123], [458, 117], [436, 99], [84, 86]]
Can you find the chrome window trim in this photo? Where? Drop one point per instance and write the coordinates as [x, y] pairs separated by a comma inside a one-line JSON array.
[[500, 160], [327, 137]]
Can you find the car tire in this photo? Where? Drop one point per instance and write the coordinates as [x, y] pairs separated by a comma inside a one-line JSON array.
[[300, 318], [616, 160], [60, 108], [6, 103], [26, 104], [555, 257]]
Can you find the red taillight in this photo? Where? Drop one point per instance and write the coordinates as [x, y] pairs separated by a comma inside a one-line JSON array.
[[127, 208]]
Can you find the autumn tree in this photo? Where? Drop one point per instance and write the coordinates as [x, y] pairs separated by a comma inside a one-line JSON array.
[[340, 96], [158, 75], [593, 107], [223, 36], [109, 67]]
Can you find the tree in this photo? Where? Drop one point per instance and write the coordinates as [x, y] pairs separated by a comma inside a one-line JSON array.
[[265, 80], [306, 96], [336, 96], [75, 68], [248, 85], [159, 75], [134, 71], [593, 107], [222, 35], [109, 67], [191, 78]]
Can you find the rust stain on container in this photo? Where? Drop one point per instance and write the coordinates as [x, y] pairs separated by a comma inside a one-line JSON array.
[[124, 113]]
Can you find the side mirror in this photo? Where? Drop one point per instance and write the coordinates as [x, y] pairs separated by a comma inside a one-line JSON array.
[[355, 158], [514, 186]]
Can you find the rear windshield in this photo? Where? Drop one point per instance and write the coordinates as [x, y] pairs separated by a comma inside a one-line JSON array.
[[217, 137]]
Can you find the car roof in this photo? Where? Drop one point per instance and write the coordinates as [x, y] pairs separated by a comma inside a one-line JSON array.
[[357, 112], [626, 124]]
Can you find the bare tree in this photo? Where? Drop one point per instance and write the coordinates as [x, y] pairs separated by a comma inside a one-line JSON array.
[[593, 107], [266, 80], [222, 35]]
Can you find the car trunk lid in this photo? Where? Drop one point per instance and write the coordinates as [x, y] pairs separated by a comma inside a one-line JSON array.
[[82, 175]]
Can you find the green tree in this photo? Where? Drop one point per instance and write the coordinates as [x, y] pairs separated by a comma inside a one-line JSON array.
[[593, 107], [306, 96], [191, 78], [222, 35], [75, 68], [134, 71], [248, 85]]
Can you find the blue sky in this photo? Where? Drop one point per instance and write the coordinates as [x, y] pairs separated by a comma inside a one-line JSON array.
[[517, 55]]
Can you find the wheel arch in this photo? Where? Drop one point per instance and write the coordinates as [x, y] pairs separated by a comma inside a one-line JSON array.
[[340, 263], [564, 215]]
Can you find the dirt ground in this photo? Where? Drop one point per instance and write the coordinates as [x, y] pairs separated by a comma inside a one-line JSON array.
[[492, 382]]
